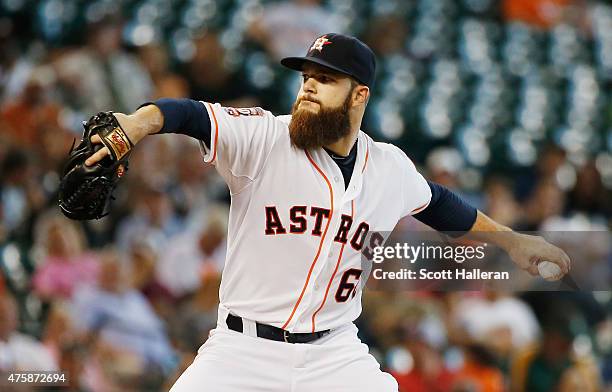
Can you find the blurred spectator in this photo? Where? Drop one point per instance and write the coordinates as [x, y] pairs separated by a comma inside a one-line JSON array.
[[73, 360], [143, 258], [543, 13], [59, 334], [154, 165], [550, 160], [497, 321], [444, 166], [15, 68], [3, 228], [196, 186], [553, 364], [386, 35], [64, 262], [500, 203], [211, 79], [25, 118], [54, 144], [102, 75], [429, 372], [478, 372], [194, 254], [197, 314], [122, 318], [19, 351], [168, 84], [286, 28], [153, 219], [21, 195], [589, 195], [546, 201]]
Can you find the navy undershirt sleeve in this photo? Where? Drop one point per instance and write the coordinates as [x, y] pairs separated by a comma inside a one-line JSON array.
[[185, 116], [447, 212]]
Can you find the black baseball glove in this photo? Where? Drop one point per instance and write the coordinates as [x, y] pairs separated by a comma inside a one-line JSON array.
[[85, 192]]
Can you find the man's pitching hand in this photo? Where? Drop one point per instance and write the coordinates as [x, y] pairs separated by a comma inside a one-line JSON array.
[[527, 251]]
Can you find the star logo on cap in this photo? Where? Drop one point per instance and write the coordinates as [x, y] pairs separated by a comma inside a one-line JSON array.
[[318, 44]]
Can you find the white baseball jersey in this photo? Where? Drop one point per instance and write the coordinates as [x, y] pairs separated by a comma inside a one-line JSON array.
[[295, 233]]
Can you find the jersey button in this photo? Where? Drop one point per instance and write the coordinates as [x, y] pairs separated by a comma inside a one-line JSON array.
[[336, 179]]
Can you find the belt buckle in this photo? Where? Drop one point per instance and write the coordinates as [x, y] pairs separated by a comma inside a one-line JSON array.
[[286, 336]]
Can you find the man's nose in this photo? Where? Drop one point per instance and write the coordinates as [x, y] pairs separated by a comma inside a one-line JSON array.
[[309, 86]]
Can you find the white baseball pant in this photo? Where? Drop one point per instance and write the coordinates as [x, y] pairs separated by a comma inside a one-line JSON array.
[[231, 361]]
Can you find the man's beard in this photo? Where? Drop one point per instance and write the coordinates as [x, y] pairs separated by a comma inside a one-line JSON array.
[[309, 130]]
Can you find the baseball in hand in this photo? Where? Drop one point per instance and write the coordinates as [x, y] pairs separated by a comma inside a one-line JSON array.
[[549, 271]]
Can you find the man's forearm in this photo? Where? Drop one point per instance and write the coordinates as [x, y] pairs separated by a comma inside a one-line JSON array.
[[147, 120], [167, 115], [487, 230], [184, 116]]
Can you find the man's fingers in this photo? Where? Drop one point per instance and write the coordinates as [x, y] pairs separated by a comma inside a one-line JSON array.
[[559, 257], [564, 264], [533, 270], [568, 262], [96, 139], [563, 261], [97, 157]]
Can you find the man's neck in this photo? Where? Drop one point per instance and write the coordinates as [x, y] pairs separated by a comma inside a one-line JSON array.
[[342, 147]]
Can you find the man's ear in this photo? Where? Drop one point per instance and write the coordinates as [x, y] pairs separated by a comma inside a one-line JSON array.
[[361, 94]]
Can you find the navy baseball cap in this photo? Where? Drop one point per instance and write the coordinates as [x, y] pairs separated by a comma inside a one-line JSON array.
[[341, 53]]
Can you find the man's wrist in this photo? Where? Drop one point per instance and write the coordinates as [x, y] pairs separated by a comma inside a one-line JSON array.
[[147, 120], [487, 230], [506, 239]]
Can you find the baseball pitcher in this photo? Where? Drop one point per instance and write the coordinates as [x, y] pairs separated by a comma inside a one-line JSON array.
[[306, 189]]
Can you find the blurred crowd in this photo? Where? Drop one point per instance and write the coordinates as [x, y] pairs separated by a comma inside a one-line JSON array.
[[505, 102]]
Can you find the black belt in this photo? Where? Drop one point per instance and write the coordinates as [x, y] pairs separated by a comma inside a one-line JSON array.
[[274, 333]]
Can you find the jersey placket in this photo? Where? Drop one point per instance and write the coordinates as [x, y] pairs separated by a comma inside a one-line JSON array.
[[324, 268], [318, 293], [337, 256]]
